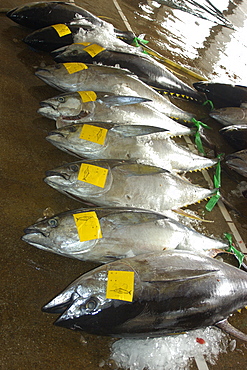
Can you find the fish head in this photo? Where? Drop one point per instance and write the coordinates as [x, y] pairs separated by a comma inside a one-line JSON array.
[[230, 115], [74, 139], [58, 234], [67, 106], [73, 52], [88, 309], [62, 76], [238, 162], [23, 14], [81, 178]]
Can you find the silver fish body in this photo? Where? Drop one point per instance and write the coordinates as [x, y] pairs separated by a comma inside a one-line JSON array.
[[125, 184], [145, 144], [80, 76], [109, 109], [173, 292], [122, 233]]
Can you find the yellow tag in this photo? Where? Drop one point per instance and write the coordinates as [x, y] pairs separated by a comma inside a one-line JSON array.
[[93, 133], [93, 174], [88, 226], [74, 67], [120, 285], [94, 49], [87, 96], [62, 29]]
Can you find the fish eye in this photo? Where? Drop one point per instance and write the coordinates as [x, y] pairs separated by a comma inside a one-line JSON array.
[[72, 128], [74, 52], [74, 168], [61, 99], [58, 66], [53, 222], [91, 304]]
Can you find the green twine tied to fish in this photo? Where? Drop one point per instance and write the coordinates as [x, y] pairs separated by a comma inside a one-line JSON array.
[[136, 41], [239, 255], [217, 184], [210, 103], [198, 140]]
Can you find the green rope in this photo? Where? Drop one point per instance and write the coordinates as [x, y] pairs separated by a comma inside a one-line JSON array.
[[239, 255], [198, 140], [136, 41], [217, 184], [210, 103]]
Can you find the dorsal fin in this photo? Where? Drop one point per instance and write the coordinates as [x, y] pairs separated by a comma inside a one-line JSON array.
[[227, 327]]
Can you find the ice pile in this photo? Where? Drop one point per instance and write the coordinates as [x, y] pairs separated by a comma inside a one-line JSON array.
[[174, 352]]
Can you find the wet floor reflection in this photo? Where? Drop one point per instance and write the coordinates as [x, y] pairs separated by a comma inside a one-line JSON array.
[[214, 50], [31, 277]]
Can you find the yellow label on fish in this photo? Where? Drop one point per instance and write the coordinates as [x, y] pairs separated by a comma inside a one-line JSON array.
[[75, 67], [93, 174], [62, 29], [94, 49], [93, 133], [120, 285], [88, 226], [87, 96]]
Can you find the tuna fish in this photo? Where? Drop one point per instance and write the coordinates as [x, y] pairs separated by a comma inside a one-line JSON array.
[[60, 35], [69, 108], [238, 162], [79, 76], [146, 68], [145, 144], [41, 14], [230, 115], [52, 37], [107, 234], [153, 294], [125, 184], [223, 95]]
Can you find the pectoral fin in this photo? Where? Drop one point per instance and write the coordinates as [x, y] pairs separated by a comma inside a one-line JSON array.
[[119, 100], [228, 328]]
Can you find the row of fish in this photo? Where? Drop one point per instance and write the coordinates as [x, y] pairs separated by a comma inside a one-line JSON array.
[[149, 289], [231, 112]]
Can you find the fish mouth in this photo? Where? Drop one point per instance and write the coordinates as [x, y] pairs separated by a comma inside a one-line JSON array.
[[53, 173], [60, 303], [54, 112], [10, 14], [33, 231], [82, 114], [58, 308]]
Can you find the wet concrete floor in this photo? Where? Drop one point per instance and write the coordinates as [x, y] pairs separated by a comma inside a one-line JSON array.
[[31, 277]]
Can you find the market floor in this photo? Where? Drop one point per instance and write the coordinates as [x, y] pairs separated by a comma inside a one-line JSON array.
[[29, 277]]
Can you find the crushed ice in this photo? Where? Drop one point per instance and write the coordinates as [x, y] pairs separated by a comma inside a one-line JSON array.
[[174, 352]]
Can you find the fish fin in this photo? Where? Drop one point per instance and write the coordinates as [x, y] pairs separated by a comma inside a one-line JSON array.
[[137, 130], [181, 212], [120, 100], [228, 328]]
